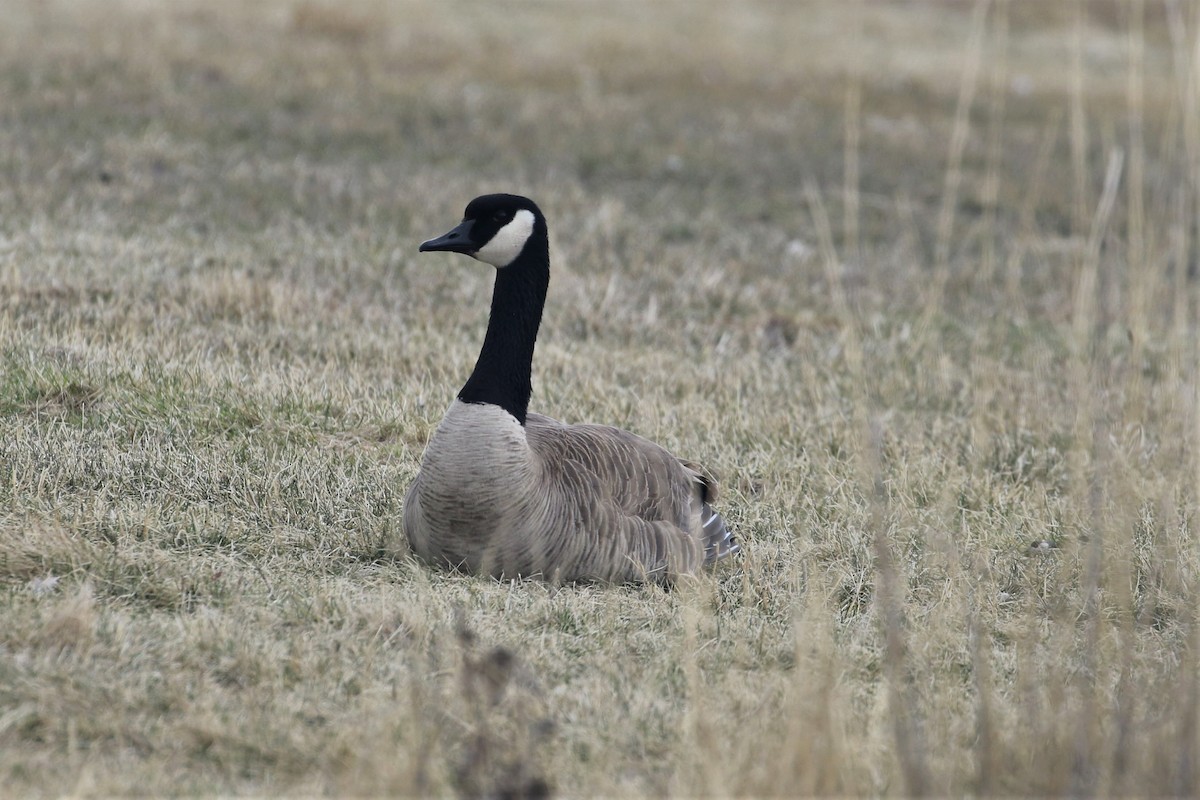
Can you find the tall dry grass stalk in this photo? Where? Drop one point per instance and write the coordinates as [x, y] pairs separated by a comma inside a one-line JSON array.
[[1080, 138], [1140, 290], [851, 182], [997, 95], [968, 85]]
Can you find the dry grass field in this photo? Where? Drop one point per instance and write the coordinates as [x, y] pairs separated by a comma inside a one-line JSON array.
[[916, 279]]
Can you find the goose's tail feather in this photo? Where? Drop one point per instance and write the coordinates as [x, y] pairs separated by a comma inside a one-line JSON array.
[[718, 539]]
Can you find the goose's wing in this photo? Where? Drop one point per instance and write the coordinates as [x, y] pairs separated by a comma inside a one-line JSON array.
[[632, 501]]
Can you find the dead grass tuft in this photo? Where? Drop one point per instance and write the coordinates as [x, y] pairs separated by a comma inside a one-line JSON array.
[[506, 726], [72, 623], [349, 26]]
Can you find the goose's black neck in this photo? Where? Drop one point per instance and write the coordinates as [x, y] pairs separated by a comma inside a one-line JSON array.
[[503, 373]]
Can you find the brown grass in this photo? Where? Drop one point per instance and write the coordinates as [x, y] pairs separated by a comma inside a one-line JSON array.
[[917, 279]]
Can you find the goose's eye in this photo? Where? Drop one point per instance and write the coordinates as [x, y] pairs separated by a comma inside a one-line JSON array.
[[500, 216]]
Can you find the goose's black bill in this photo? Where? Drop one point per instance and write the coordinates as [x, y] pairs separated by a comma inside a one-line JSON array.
[[456, 241]]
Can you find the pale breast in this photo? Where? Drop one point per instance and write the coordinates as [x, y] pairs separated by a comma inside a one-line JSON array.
[[467, 495]]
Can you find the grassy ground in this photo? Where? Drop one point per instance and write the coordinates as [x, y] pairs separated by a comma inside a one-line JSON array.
[[916, 279]]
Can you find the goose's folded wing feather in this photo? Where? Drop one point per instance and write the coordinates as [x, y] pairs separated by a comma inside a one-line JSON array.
[[634, 508], [632, 474]]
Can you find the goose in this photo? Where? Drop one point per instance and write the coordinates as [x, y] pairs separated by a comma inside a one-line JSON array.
[[505, 492]]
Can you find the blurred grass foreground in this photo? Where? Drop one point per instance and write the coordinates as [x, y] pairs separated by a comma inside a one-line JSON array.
[[917, 279]]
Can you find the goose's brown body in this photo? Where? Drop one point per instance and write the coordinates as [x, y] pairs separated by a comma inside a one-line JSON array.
[[513, 494], [563, 502]]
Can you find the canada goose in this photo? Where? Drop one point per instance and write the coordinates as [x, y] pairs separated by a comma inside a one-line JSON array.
[[505, 492]]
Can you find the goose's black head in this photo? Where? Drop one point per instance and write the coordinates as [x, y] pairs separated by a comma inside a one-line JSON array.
[[495, 229]]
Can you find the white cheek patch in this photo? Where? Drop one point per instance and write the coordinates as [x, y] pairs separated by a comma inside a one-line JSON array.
[[506, 245]]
